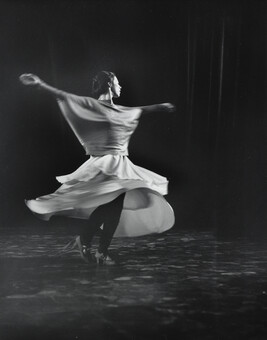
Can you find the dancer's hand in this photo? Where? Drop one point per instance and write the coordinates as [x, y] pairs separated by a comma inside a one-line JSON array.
[[164, 107], [168, 107], [30, 79]]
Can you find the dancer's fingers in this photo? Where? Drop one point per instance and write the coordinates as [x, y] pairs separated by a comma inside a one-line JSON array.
[[28, 78]]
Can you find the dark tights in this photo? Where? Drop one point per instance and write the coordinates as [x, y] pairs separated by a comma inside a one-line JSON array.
[[109, 215]]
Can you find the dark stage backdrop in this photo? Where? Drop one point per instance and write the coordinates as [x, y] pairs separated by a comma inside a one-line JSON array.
[[207, 57]]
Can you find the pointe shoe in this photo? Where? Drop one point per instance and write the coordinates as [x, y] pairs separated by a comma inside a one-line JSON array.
[[85, 251], [101, 259]]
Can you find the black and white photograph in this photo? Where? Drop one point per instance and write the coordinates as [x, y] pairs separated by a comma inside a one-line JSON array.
[[133, 150]]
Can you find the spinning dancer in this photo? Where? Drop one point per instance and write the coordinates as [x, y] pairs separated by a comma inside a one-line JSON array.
[[108, 189]]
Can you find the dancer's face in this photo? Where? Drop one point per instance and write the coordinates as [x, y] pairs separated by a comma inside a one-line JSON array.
[[115, 88]]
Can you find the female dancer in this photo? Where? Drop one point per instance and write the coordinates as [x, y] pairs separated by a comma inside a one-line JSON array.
[[108, 189]]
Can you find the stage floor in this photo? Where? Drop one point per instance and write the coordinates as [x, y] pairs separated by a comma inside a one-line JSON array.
[[178, 285]]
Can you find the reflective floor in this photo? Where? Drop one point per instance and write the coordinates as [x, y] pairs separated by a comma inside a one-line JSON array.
[[179, 285]]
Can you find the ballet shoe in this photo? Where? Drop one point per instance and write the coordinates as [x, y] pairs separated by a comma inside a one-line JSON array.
[[84, 250], [102, 259]]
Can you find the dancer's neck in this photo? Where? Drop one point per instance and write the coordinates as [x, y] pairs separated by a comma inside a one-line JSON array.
[[106, 97]]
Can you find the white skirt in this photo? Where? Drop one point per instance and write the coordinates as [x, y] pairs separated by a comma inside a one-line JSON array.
[[100, 180]]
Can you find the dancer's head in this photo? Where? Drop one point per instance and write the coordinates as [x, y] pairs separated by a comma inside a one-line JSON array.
[[105, 82]]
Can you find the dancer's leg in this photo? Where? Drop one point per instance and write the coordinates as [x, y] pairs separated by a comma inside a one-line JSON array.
[[111, 213], [95, 221]]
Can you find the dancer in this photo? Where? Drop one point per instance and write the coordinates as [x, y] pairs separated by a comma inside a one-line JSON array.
[[108, 189]]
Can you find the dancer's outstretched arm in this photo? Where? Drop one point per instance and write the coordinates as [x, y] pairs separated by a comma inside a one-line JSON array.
[[33, 80], [167, 107]]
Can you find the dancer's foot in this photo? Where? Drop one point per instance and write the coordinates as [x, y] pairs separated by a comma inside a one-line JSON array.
[[84, 250], [103, 259]]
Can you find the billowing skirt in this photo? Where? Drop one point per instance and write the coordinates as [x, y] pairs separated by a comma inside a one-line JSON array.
[[100, 180]]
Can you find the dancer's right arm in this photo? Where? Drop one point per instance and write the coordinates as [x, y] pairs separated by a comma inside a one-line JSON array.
[[33, 80]]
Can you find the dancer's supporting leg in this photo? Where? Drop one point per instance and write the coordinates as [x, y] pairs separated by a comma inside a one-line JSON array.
[[112, 213]]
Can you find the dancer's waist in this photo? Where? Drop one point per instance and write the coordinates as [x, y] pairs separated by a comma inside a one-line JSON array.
[[104, 153], [101, 149]]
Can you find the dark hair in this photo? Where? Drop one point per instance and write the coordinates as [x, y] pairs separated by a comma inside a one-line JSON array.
[[100, 82]]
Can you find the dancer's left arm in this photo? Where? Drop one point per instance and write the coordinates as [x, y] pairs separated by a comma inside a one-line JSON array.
[[30, 79], [165, 107]]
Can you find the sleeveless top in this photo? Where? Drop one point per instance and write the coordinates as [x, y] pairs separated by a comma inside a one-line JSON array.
[[101, 128]]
